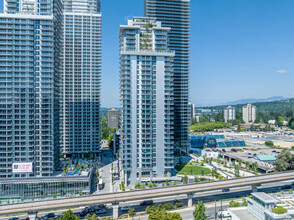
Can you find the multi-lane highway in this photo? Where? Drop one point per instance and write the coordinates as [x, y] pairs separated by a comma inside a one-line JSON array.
[[187, 213]]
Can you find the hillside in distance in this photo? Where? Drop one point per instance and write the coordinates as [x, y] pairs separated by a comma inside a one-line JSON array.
[[262, 107], [246, 101]]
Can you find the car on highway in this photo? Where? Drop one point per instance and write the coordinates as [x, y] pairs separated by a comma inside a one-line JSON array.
[[146, 202], [125, 208], [84, 211], [48, 216], [286, 187], [226, 190], [101, 211]]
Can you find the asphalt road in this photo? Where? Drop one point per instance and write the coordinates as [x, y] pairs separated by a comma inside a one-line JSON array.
[[186, 213]]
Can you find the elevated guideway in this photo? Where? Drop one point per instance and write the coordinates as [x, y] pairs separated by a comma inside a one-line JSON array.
[[116, 198]]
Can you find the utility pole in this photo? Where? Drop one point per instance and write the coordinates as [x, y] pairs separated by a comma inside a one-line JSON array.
[[221, 209], [215, 214]]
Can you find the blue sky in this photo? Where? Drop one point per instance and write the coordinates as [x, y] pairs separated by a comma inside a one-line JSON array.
[[239, 49]]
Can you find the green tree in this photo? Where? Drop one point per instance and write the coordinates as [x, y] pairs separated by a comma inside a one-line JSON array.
[[199, 212], [247, 164], [254, 166], [69, 215], [284, 160], [173, 216], [88, 217], [94, 217], [131, 212], [234, 204], [185, 179], [269, 143]]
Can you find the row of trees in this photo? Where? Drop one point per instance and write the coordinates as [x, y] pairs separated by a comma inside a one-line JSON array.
[[156, 212], [208, 126], [279, 111]]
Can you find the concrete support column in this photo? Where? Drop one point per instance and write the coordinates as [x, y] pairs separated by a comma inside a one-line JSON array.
[[115, 208], [190, 199], [253, 188]]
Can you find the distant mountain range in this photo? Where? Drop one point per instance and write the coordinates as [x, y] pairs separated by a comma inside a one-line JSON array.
[[249, 101]]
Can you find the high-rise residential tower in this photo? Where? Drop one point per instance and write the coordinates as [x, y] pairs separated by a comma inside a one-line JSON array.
[[146, 79], [81, 78], [249, 113], [31, 38], [176, 15], [229, 114]]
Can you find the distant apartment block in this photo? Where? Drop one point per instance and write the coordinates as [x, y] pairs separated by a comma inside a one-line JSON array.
[[192, 111], [249, 113], [146, 77], [30, 77], [229, 114], [175, 14], [113, 118], [80, 115]]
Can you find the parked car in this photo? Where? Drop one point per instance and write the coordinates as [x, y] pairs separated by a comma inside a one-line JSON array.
[[249, 157], [125, 208], [14, 218], [226, 190], [101, 211], [249, 153], [147, 202], [274, 151], [223, 150], [292, 183]]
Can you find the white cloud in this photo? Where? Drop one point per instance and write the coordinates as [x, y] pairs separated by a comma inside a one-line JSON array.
[[282, 71]]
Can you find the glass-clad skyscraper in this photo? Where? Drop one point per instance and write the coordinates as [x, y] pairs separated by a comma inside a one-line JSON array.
[[81, 78], [176, 15], [146, 82], [29, 87]]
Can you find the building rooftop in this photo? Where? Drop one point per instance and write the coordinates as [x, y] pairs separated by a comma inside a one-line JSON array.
[[266, 157], [264, 197], [241, 213]]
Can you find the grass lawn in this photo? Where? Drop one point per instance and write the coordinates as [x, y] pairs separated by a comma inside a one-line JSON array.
[[191, 169]]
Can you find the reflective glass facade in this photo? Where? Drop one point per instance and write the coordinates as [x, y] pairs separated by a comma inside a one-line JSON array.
[[29, 88], [12, 191], [81, 79], [176, 15]]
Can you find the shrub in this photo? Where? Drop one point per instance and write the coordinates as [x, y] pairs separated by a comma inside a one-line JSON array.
[[269, 143], [279, 210]]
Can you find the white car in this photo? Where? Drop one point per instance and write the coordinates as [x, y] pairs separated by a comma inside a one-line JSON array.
[[125, 208]]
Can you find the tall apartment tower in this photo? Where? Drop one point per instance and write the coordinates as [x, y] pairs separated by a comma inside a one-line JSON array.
[[176, 15], [229, 114], [80, 114], [146, 77], [113, 118], [31, 38], [249, 113]]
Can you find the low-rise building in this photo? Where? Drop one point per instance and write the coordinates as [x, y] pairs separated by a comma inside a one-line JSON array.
[[74, 184]]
